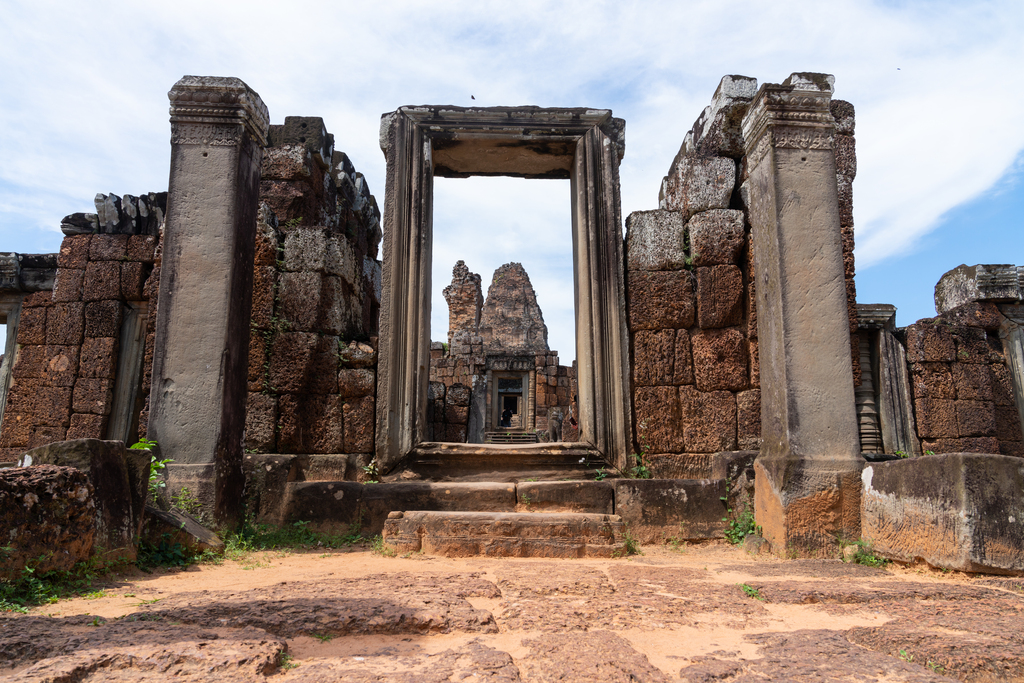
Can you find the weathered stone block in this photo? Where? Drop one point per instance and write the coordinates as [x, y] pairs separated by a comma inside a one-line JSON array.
[[74, 252], [260, 422], [102, 281], [305, 249], [973, 382], [87, 426], [959, 511], [47, 518], [458, 395], [133, 280], [1002, 385], [654, 356], [459, 415], [845, 147], [981, 314], [99, 358], [32, 326], [256, 376], [17, 429], [594, 497], [755, 363], [682, 369], [696, 184], [720, 359], [42, 434], [975, 418], [359, 425], [493, 534], [65, 323], [301, 362], [679, 465], [709, 420], [656, 509], [658, 419], [300, 301], [356, 382], [141, 248], [719, 296], [120, 488], [717, 237], [48, 406], [932, 380], [310, 424], [660, 300], [94, 396], [455, 433], [655, 240], [845, 116], [936, 418], [970, 444], [748, 420], [31, 363], [971, 344], [175, 527], [108, 248], [1007, 423], [930, 342], [67, 286], [103, 318], [264, 283]]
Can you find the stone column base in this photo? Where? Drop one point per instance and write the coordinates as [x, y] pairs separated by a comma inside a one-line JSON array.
[[805, 506]]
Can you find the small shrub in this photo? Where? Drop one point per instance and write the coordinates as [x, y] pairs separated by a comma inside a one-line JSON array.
[[751, 591], [379, 547], [630, 545], [741, 526]]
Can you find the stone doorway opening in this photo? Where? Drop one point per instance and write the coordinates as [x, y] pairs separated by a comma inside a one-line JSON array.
[[582, 145], [512, 318]]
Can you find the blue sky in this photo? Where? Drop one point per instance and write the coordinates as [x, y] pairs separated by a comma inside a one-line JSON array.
[[938, 87]]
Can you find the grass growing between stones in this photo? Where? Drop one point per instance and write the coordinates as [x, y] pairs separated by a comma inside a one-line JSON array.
[[31, 588]]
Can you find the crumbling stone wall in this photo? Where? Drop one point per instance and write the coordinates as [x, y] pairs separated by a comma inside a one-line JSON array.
[[690, 293], [448, 411], [316, 298], [68, 342], [961, 384]]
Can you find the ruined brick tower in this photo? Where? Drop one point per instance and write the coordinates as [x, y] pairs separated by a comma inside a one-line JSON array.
[[511, 318]]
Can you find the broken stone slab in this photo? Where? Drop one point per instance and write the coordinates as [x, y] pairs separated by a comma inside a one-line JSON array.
[[655, 240], [120, 479], [47, 518], [653, 510], [962, 511], [175, 526], [497, 534], [595, 497], [1000, 283]]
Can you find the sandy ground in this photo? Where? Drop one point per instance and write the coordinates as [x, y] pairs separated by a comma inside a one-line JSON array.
[[707, 613]]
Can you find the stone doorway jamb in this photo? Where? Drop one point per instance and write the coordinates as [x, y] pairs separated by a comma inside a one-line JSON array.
[[583, 145]]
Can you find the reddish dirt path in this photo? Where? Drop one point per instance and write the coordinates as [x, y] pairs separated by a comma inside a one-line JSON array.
[[665, 615]]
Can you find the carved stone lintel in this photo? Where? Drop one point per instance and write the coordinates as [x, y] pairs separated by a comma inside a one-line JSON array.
[[212, 110], [876, 316], [1000, 283]]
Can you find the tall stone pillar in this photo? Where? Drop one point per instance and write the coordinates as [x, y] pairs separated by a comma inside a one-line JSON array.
[[807, 486], [197, 402]]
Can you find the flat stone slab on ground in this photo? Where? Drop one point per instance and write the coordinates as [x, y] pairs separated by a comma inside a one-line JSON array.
[[667, 615]]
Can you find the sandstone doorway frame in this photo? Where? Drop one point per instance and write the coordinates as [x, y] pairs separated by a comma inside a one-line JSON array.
[[583, 145]]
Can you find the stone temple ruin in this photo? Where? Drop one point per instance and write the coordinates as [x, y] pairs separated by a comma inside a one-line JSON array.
[[497, 359], [261, 324]]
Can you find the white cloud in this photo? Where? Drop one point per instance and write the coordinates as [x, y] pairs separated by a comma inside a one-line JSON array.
[[938, 88]]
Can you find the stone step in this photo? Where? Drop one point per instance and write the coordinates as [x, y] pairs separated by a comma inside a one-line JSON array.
[[504, 534], [510, 437]]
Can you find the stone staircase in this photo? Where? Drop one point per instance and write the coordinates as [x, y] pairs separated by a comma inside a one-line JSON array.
[[497, 501]]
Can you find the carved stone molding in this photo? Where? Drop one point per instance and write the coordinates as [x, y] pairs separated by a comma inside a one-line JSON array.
[[876, 316], [222, 104], [795, 113]]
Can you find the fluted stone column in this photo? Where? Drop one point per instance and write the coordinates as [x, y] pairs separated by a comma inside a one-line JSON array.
[[807, 487], [197, 402]]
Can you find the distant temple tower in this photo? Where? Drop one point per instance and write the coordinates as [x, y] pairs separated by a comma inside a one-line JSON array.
[[497, 380]]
